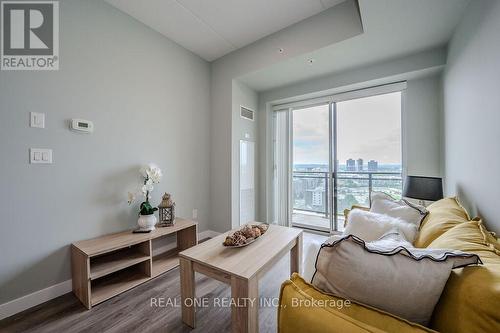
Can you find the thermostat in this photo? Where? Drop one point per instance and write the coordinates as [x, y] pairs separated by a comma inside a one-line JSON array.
[[82, 125]]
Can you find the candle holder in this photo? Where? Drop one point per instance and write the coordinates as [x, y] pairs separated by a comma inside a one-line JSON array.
[[166, 211]]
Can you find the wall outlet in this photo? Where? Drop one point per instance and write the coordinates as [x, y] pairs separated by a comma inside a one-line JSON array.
[[195, 214]]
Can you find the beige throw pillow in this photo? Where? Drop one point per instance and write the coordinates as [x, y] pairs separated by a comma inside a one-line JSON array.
[[388, 274], [383, 203]]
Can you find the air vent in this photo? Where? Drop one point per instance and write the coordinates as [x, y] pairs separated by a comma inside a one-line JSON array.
[[246, 113]]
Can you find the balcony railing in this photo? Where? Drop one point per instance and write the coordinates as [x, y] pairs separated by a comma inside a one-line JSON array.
[[311, 188]]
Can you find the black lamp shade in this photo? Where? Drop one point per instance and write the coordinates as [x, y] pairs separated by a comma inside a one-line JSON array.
[[423, 188]]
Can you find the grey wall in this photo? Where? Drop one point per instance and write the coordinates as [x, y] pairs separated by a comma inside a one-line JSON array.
[[422, 118], [472, 112], [423, 126], [146, 96]]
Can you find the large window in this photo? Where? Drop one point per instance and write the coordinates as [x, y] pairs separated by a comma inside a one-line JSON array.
[[339, 151], [368, 149]]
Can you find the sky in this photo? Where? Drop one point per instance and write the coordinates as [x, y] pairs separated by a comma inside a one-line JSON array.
[[367, 128]]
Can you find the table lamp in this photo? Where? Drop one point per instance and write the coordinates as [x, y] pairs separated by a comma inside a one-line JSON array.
[[423, 188]]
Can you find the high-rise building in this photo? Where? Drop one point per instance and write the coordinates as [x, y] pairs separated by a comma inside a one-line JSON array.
[[317, 196], [314, 198], [372, 165], [360, 164], [350, 165]]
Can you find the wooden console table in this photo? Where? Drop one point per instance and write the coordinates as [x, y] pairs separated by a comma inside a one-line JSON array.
[[106, 266]]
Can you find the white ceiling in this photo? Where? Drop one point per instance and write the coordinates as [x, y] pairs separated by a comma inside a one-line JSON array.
[[213, 28], [392, 29]]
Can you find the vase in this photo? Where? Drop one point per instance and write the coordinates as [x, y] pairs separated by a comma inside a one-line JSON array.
[[147, 222]]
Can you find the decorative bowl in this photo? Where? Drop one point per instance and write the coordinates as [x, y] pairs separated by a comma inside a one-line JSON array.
[[246, 235]]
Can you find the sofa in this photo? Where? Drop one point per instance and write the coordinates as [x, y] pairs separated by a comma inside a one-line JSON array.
[[469, 303]]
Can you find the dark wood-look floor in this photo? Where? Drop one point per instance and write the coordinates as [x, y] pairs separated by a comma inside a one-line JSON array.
[[132, 310]]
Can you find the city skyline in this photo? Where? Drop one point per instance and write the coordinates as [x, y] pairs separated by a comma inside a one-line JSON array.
[[371, 165]]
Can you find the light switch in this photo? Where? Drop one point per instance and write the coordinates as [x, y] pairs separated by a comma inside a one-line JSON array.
[[40, 156], [37, 119], [37, 156]]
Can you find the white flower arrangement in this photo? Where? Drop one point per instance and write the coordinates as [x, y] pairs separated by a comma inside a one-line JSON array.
[[152, 175], [151, 172]]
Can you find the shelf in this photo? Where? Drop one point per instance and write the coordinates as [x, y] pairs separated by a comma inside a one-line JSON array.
[[112, 242], [165, 261], [116, 283], [107, 264]]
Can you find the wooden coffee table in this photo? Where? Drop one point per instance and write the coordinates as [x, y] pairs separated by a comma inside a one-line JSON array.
[[240, 268]]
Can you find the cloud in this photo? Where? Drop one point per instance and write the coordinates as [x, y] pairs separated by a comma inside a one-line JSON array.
[[368, 128], [386, 149], [310, 135]]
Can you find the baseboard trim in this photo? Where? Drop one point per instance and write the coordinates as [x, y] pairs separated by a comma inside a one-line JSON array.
[[207, 234], [41, 296], [22, 303]]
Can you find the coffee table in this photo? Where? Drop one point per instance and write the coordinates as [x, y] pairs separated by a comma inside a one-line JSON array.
[[240, 268]]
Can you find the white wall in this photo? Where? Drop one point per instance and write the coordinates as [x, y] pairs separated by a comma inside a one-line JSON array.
[[341, 21], [421, 119], [146, 96], [242, 129], [472, 112]]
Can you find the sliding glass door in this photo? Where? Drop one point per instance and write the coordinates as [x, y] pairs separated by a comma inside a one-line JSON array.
[[368, 154], [311, 167], [336, 153]]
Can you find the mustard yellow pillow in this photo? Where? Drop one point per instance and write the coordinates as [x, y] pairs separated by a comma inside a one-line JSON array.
[[305, 309], [470, 301], [491, 237], [443, 215]]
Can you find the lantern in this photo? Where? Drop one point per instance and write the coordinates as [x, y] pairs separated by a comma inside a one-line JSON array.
[[166, 211]]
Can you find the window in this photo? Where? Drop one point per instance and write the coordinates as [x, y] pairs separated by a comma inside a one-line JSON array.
[[339, 150]]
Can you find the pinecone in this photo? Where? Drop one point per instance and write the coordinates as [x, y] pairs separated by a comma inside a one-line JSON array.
[[262, 227], [248, 232], [230, 241], [240, 240]]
